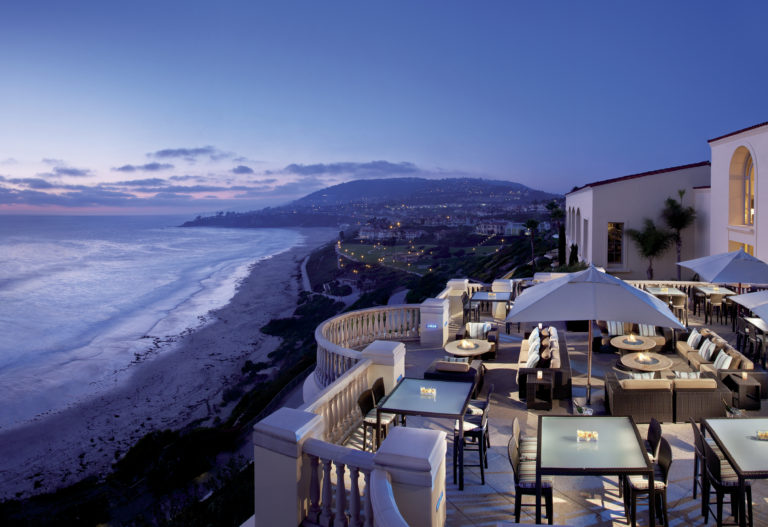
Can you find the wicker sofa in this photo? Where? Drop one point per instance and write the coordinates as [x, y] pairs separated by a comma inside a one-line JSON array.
[[667, 399], [662, 336], [443, 370], [739, 362], [559, 364]]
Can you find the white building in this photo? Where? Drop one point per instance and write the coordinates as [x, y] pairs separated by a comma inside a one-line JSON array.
[[735, 222], [599, 214]]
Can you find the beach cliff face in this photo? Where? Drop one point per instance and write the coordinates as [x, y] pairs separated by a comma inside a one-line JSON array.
[[180, 382]]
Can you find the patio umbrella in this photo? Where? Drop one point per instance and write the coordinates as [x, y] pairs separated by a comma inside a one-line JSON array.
[[755, 302], [590, 295], [735, 267]]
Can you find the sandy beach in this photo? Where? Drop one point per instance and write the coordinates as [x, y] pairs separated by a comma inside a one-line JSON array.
[[179, 382]]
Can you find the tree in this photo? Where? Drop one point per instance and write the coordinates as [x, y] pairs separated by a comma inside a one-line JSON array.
[[678, 218], [651, 242], [531, 226], [573, 257], [556, 214]]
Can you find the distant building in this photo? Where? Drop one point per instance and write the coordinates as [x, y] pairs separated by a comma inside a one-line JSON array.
[[491, 227], [599, 214], [514, 229]]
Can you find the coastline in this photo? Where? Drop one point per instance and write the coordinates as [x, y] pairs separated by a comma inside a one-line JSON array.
[[171, 388]]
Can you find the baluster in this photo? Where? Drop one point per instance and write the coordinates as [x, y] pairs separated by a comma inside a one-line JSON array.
[[354, 497], [367, 506], [341, 497], [326, 517], [314, 490]]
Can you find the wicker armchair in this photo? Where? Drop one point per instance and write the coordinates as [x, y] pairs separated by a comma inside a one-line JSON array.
[[698, 402], [632, 400]]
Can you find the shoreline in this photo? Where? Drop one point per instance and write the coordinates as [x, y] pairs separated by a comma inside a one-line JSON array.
[[169, 389]]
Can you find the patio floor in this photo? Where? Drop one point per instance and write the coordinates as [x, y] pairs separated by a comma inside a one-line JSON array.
[[578, 500]]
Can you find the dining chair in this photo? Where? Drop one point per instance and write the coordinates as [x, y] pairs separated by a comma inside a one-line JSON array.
[[378, 394], [527, 446], [716, 302], [524, 472], [653, 439], [680, 308], [742, 335], [638, 485], [478, 406], [723, 480], [368, 408], [475, 438]]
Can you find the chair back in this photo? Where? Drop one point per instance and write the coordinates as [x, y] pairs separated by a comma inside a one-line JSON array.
[[716, 300], [365, 402], [664, 458], [516, 429], [698, 439], [678, 301], [513, 451], [378, 390], [654, 436], [713, 465]]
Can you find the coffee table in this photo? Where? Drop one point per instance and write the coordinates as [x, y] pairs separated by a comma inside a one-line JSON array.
[[623, 342], [474, 347], [646, 361], [539, 391]]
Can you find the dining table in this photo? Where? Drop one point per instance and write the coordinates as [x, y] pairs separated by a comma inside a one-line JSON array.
[[493, 298], [616, 448], [708, 291], [665, 294], [747, 454], [430, 398]]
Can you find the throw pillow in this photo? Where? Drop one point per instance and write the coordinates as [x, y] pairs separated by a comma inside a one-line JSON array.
[[694, 338], [615, 327], [476, 330], [533, 357], [710, 351], [648, 375], [534, 334], [533, 341], [552, 333], [687, 374], [647, 330], [722, 362]]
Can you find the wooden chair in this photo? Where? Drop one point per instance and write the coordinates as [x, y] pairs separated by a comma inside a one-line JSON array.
[[525, 482], [722, 480], [637, 486]]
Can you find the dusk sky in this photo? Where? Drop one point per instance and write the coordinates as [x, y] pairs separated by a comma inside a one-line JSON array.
[[192, 107]]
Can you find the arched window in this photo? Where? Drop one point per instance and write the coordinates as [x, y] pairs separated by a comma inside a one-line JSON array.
[[741, 199]]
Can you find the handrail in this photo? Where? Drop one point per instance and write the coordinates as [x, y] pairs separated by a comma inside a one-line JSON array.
[[383, 501]]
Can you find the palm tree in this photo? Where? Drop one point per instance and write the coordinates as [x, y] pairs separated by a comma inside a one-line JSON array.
[[556, 214], [531, 226], [651, 242], [678, 218]]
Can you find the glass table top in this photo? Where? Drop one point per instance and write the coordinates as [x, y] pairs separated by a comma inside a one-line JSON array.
[[450, 397], [486, 296], [617, 447], [739, 437]]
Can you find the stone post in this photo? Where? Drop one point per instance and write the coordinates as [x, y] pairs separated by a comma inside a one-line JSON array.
[[281, 476], [388, 358], [434, 323], [501, 286], [415, 461]]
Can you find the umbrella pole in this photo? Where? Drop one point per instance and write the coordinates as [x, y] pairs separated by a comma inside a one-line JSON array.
[[589, 365]]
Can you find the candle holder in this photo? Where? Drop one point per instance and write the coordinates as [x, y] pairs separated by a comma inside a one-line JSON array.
[[539, 374], [428, 392], [744, 375]]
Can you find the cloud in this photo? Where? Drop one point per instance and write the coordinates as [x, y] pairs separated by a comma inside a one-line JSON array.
[[34, 183], [358, 170], [8, 161], [153, 182], [172, 195], [199, 179], [52, 162], [242, 169], [74, 172], [148, 167]]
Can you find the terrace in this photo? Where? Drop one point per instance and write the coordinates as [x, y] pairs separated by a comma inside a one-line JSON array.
[[310, 449]]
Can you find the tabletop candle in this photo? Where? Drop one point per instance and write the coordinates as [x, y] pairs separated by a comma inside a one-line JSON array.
[[744, 375], [539, 374]]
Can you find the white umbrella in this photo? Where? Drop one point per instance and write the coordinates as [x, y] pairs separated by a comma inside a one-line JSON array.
[[755, 302], [590, 295], [735, 267]]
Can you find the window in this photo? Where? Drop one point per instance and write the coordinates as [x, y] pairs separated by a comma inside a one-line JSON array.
[[735, 246], [615, 243], [749, 192]]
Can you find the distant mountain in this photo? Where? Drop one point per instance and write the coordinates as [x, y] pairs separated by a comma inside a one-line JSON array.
[[360, 199]]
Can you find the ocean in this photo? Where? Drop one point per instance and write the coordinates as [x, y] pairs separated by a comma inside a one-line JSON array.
[[81, 297]]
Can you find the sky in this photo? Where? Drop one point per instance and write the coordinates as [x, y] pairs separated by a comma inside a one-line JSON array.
[[198, 106]]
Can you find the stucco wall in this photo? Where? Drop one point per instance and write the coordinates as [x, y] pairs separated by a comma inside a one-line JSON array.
[[723, 152], [630, 201]]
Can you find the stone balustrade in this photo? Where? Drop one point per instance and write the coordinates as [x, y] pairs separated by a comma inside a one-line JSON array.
[[340, 338]]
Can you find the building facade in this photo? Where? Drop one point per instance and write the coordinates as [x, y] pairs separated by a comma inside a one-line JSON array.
[[735, 221], [599, 214]]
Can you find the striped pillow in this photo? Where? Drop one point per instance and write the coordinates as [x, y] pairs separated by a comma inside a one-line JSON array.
[[722, 361], [646, 330], [615, 327]]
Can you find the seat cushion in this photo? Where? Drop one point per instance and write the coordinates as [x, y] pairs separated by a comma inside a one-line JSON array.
[[527, 476], [638, 482], [386, 418]]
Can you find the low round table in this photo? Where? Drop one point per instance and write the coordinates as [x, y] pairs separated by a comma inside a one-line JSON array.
[[649, 362], [622, 342], [474, 347]]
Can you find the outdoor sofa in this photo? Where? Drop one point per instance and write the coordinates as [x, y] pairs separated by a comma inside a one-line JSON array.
[[482, 331], [609, 329], [666, 398], [450, 369], [690, 352], [558, 363]]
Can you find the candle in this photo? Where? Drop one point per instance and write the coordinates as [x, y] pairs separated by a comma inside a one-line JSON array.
[[540, 374], [541, 325], [744, 375]]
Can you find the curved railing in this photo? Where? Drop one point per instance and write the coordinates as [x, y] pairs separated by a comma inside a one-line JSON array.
[[340, 339]]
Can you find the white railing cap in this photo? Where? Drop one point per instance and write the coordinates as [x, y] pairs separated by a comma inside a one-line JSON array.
[[285, 430], [412, 455]]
